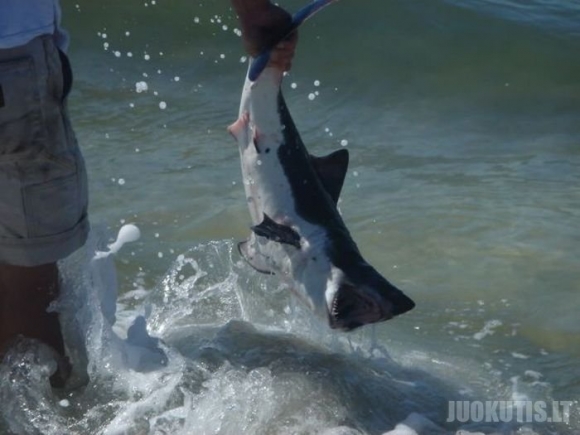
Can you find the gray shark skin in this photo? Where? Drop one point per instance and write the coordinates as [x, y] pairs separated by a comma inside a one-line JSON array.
[[298, 233]]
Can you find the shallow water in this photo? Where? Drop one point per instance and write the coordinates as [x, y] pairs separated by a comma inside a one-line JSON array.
[[463, 124]]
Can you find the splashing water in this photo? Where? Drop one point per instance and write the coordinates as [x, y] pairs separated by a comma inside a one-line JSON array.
[[215, 348]]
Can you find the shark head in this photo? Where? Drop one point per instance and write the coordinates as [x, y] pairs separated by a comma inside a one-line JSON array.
[[361, 296], [349, 294]]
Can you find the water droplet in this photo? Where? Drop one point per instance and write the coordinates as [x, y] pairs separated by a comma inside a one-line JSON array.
[[141, 87]]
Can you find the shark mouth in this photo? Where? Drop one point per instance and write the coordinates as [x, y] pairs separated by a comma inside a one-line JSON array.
[[353, 307]]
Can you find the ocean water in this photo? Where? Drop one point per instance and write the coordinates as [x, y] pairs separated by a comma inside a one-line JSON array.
[[463, 124]]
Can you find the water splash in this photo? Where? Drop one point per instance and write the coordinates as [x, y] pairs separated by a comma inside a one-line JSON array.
[[217, 348]]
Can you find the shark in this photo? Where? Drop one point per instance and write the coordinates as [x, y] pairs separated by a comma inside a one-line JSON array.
[[297, 232]]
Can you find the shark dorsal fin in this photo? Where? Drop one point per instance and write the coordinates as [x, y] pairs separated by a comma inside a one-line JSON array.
[[331, 170]]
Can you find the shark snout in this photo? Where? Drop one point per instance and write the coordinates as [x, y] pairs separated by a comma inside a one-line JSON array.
[[358, 305]]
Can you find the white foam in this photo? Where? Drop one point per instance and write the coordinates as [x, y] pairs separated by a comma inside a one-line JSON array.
[[415, 424], [128, 233], [401, 429], [519, 355], [488, 329]]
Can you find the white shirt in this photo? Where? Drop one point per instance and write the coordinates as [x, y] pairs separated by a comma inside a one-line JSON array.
[[24, 20]]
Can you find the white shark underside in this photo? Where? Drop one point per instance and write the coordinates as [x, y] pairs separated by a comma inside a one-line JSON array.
[[297, 232]]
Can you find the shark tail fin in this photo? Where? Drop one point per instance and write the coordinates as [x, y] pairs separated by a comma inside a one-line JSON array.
[[260, 62]]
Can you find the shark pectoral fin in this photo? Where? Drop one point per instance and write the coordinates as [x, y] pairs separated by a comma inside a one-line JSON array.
[[331, 170], [277, 232], [254, 258], [239, 125]]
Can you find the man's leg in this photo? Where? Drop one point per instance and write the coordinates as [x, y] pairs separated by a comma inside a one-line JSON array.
[[43, 192], [25, 294]]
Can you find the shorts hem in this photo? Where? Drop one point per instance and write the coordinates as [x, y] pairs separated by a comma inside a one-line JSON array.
[[43, 250]]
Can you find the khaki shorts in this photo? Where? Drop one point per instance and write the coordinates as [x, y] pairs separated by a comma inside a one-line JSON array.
[[43, 186]]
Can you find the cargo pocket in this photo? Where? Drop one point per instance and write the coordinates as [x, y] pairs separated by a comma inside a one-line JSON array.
[[21, 132], [67, 74], [52, 207]]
